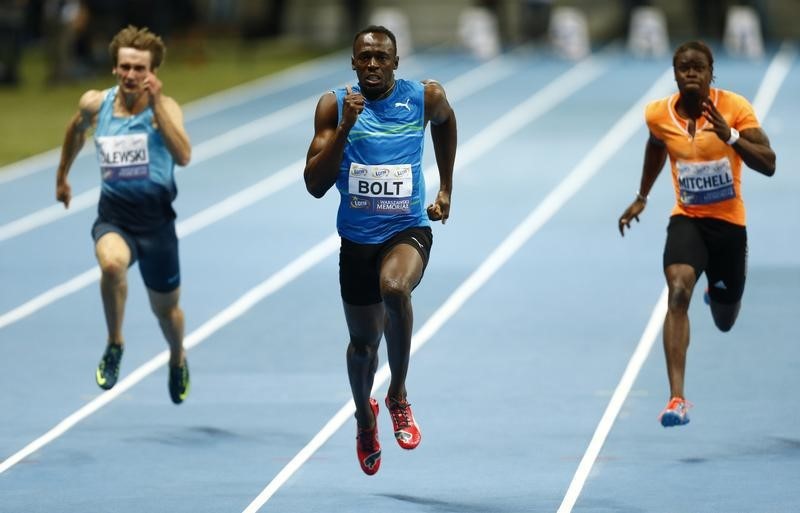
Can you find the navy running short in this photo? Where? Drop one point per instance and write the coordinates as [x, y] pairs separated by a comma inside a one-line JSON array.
[[156, 251]]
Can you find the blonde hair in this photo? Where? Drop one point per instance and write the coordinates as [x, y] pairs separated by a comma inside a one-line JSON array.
[[140, 39]]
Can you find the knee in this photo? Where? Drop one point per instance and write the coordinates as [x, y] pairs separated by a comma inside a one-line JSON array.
[[679, 296], [724, 316], [113, 268], [362, 349], [395, 293], [166, 312], [724, 325]]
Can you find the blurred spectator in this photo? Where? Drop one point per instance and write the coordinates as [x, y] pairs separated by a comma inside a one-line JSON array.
[[535, 19], [12, 24], [355, 14], [628, 7], [62, 22], [710, 18], [269, 23], [78, 31], [478, 29]]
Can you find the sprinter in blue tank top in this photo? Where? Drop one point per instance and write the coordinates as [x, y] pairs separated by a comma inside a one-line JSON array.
[[368, 141], [139, 137]]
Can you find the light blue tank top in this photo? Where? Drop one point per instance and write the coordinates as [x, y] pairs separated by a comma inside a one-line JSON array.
[[136, 168], [381, 183]]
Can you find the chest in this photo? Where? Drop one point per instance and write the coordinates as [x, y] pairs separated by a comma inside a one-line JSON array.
[[702, 145]]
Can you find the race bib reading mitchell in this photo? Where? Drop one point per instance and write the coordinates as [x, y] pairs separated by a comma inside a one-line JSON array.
[[702, 183], [381, 189], [123, 157]]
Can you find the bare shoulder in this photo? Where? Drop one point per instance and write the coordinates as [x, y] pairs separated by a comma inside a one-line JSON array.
[[173, 107], [91, 101], [433, 88], [434, 94], [437, 108], [170, 101], [327, 100], [327, 113]]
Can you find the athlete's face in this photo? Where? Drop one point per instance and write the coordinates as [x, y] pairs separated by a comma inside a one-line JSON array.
[[374, 61], [133, 66], [693, 73]]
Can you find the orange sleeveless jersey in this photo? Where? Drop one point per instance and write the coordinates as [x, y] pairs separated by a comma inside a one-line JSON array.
[[706, 172]]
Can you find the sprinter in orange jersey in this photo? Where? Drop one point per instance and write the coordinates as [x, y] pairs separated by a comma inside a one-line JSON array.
[[707, 133]]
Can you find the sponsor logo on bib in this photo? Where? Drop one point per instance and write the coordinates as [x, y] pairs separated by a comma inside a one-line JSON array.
[[381, 189]]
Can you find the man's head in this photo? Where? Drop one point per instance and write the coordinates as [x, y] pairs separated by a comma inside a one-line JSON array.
[[374, 60], [139, 39], [693, 65]]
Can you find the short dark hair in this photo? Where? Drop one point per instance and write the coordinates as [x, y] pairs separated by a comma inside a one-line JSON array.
[[695, 45], [377, 29]]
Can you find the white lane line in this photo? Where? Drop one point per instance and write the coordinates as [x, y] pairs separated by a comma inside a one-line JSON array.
[[624, 386], [205, 106], [768, 90], [227, 207], [207, 150], [327, 247], [265, 86], [218, 145], [518, 237], [32, 306], [461, 88], [773, 79], [226, 316], [30, 165]]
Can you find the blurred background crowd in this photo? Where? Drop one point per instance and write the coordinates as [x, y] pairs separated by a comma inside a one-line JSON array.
[[73, 34]]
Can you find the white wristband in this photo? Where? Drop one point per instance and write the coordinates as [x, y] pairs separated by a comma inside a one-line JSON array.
[[734, 137], [640, 197]]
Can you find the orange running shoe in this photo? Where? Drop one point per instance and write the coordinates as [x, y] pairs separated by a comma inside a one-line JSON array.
[[406, 430], [368, 447], [676, 412]]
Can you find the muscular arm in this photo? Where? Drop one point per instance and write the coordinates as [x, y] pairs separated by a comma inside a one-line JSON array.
[[327, 147], [753, 146], [169, 118], [75, 136], [444, 133], [655, 156]]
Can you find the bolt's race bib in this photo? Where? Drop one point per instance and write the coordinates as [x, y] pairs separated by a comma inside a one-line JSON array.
[[123, 157], [381, 189], [702, 183]]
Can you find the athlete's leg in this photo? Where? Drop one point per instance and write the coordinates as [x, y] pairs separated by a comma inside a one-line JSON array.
[[401, 271], [170, 319], [159, 265], [365, 325], [681, 279], [727, 272], [114, 257]]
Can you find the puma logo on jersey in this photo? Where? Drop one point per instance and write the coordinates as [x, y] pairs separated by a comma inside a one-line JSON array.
[[402, 104]]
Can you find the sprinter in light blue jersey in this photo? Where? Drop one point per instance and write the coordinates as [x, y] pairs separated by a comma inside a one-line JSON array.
[[139, 137], [368, 141]]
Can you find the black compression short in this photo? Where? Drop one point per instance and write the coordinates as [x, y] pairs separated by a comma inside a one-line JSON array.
[[359, 264], [713, 246]]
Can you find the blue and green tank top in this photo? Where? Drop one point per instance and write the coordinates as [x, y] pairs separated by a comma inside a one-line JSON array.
[[137, 169], [381, 183]]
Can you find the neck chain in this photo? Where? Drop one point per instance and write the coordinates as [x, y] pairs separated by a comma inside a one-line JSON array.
[[385, 94]]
